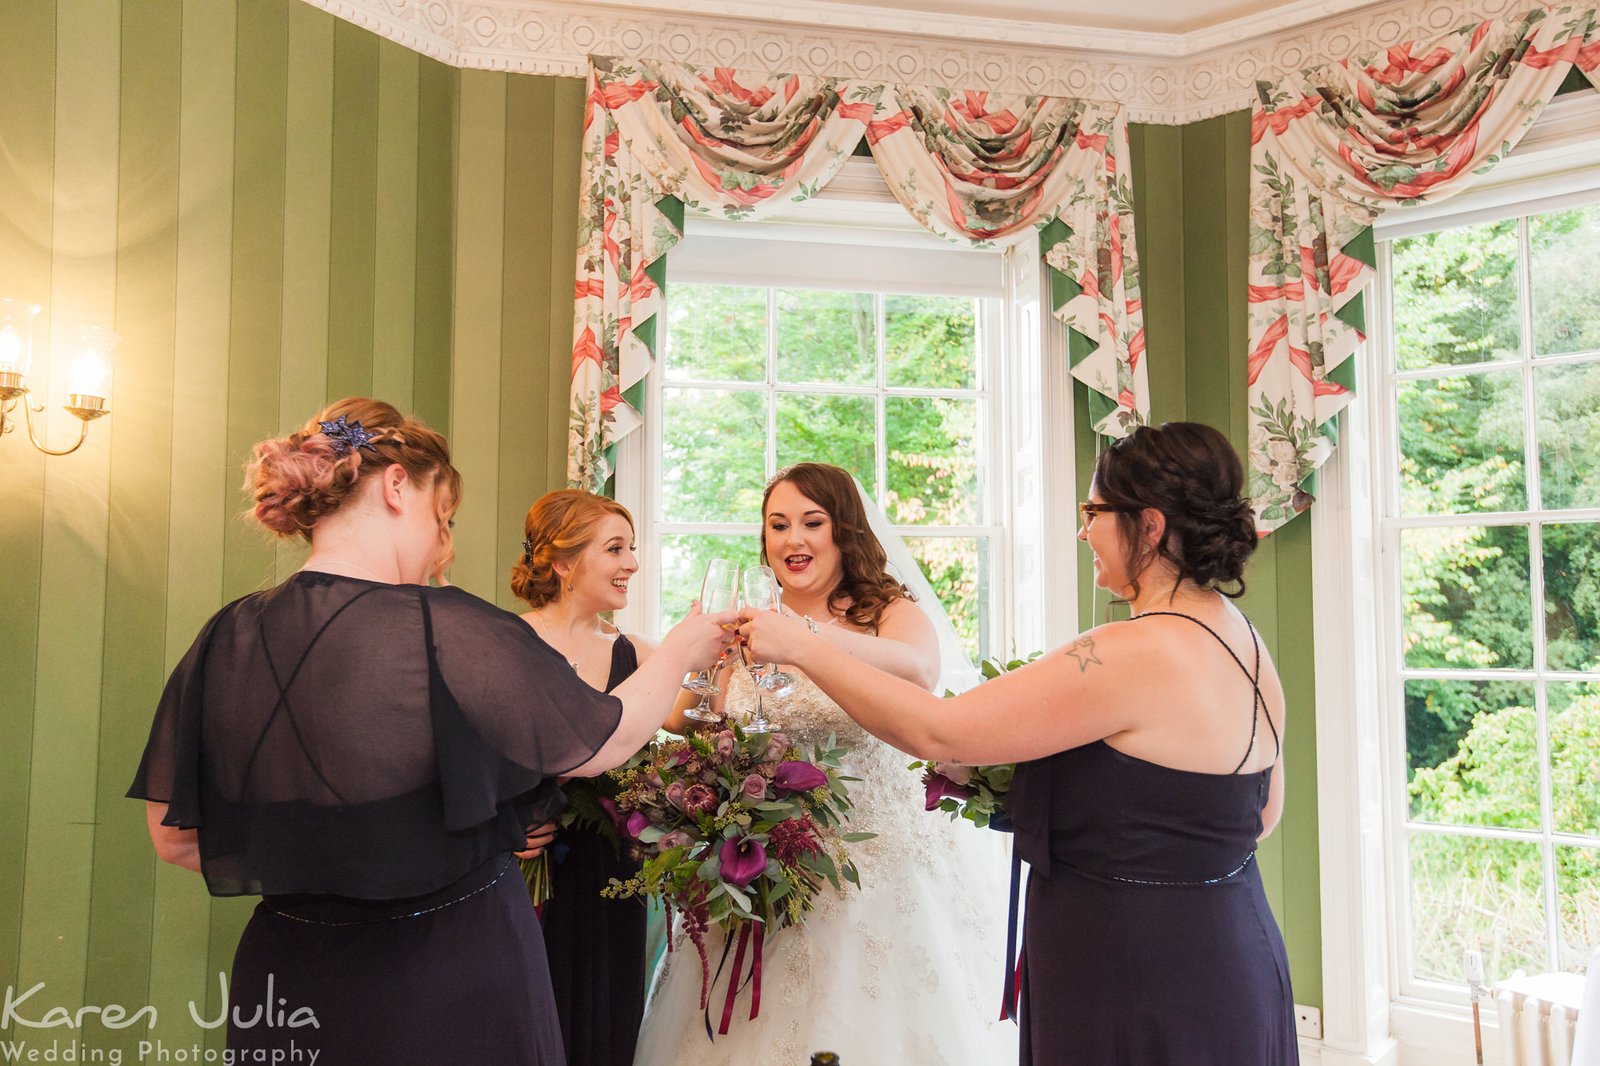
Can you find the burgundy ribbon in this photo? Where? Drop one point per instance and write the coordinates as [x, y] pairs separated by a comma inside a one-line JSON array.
[[733, 980], [755, 972]]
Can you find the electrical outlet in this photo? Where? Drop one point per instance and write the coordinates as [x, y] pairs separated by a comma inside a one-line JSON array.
[[1308, 1021]]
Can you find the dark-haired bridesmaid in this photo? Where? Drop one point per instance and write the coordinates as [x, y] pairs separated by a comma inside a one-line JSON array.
[[1151, 764]]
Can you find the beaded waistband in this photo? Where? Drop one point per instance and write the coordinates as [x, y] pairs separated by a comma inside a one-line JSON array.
[[420, 906]]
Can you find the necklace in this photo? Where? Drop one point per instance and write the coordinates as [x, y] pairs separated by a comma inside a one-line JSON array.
[[575, 662]]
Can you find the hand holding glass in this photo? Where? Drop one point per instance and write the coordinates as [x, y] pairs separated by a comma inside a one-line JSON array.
[[718, 592], [763, 593]]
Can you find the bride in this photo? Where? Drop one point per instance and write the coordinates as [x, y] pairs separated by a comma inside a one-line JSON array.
[[908, 968]]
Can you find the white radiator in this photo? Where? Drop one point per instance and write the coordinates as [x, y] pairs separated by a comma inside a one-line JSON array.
[[1537, 1018]]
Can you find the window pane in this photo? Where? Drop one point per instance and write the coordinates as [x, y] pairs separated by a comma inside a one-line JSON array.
[[933, 460], [716, 333], [1578, 899], [1455, 296], [683, 566], [930, 342], [1566, 280], [1461, 444], [1575, 758], [958, 569], [714, 455], [841, 430], [1469, 893], [1569, 434], [1472, 753], [827, 337], [1467, 597], [1572, 595]]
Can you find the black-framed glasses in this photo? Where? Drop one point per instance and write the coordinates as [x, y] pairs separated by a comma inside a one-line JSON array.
[[1088, 509]]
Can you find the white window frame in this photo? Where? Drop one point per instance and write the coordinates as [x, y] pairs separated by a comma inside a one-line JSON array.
[[1026, 433], [1370, 1015]]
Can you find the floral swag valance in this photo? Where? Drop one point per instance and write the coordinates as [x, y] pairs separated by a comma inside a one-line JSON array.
[[976, 168], [1330, 151]]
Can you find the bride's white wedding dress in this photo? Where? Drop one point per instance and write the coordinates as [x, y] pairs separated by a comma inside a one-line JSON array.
[[907, 969]]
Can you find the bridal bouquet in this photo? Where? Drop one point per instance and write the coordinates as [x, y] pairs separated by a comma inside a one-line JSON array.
[[735, 829], [976, 793]]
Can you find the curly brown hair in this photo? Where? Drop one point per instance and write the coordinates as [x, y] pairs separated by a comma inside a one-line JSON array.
[[558, 527], [1190, 473], [866, 588]]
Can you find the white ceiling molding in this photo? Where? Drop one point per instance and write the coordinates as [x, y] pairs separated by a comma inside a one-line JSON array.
[[1161, 78]]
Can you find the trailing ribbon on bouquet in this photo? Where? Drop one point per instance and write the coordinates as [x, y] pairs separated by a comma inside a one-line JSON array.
[[734, 986]]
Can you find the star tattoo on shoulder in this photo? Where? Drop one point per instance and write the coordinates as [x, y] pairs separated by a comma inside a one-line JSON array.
[[1082, 652]]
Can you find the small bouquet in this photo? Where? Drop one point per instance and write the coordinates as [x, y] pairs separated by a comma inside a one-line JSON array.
[[590, 804], [976, 793], [735, 829]]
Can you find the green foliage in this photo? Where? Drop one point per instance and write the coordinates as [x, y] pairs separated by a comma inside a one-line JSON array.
[[1472, 746], [714, 440], [1474, 892]]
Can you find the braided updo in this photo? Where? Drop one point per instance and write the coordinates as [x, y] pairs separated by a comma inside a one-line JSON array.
[[298, 480], [1191, 474], [558, 527]]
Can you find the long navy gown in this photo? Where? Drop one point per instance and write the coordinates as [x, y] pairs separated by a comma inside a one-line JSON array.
[[366, 757], [1148, 939], [596, 946]]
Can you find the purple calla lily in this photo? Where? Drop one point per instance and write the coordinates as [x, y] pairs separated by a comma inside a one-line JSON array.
[[637, 823], [743, 860], [798, 776], [939, 787]]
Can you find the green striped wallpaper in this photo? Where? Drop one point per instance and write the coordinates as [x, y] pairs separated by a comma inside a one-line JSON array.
[[1192, 201], [273, 208]]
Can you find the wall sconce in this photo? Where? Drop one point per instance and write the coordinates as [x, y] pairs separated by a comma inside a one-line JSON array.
[[89, 372]]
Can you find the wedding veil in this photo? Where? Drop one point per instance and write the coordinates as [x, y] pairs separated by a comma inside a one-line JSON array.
[[956, 672]]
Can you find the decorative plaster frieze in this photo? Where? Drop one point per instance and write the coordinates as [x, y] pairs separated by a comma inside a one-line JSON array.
[[1160, 78]]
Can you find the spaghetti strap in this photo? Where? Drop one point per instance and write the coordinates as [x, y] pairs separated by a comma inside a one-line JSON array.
[[1258, 707]]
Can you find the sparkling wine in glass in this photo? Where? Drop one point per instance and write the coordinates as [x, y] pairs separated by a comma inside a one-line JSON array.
[[763, 593], [719, 591]]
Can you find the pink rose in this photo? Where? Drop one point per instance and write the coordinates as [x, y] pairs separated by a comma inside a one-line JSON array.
[[777, 744], [754, 788], [676, 839], [955, 772], [675, 794], [724, 742]]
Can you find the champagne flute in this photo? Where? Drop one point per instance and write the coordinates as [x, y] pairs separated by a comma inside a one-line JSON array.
[[763, 593], [719, 591]]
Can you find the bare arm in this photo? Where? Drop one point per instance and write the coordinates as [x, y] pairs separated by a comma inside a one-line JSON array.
[[180, 847], [1073, 696], [905, 644], [1273, 811], [649, 694]]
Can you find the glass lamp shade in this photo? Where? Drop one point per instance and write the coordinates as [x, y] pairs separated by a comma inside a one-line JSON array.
[[89, 361], [16, 336]]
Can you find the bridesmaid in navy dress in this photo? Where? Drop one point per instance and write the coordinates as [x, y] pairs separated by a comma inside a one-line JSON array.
[[577, 560], [1151, 764], [365, 750]]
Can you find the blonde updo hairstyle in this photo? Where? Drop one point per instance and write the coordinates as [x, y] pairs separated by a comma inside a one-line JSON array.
[[558, 527], [298, 480]]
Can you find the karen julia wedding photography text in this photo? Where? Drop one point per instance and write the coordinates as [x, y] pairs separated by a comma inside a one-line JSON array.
[[32, 1032]]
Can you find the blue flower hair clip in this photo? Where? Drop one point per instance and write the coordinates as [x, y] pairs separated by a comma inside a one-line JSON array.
[[347, 436]]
